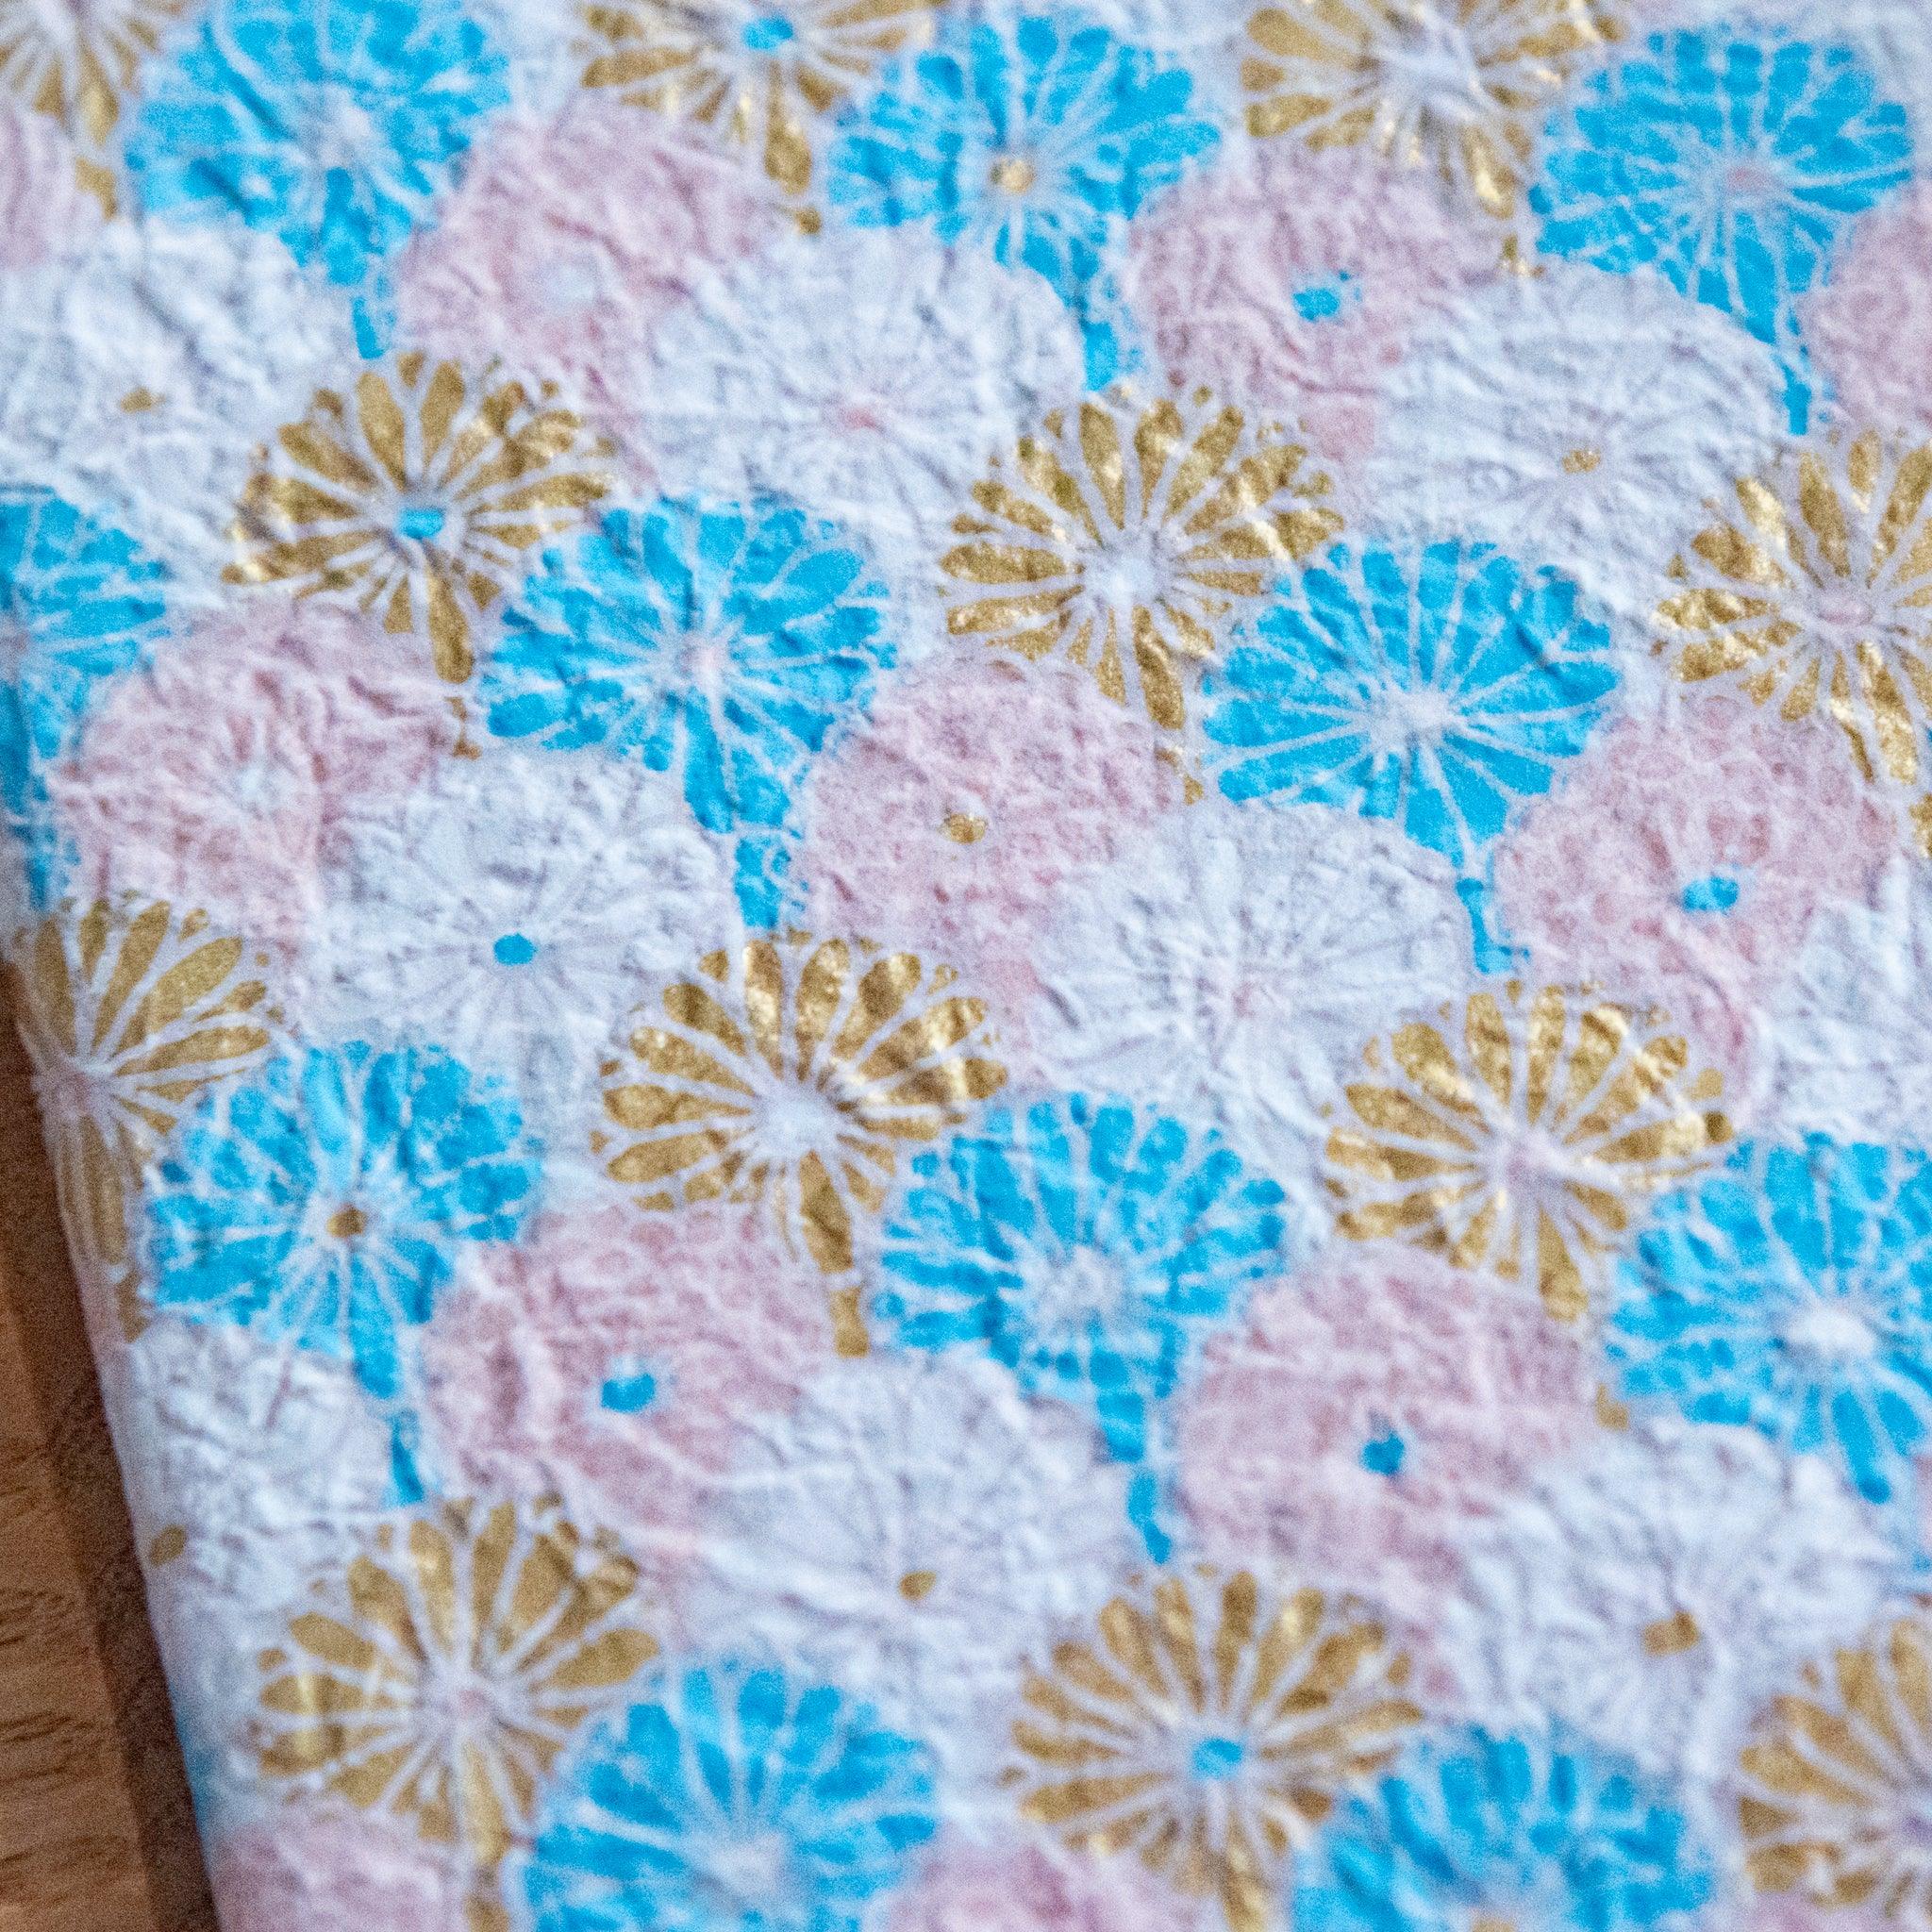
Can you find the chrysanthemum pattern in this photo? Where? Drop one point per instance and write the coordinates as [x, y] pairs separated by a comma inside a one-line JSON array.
[[793, 1072], [419, 492], [1130, 536], [441, 1677], [1523, 1134], [1210, 1727], [1059, 867], [1815, 597], [1458, 88], [1834, 1786], [756, 75], [132, 1013]]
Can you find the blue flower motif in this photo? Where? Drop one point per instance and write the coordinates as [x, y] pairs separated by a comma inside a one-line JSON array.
[[322, 1202], [1084, 1243], [1434, 688], [1529, 1832], [1733, 166], [720, 643], [737, 1802], [78, 602], [330, 126], [1793, 1292], [1035, 140]]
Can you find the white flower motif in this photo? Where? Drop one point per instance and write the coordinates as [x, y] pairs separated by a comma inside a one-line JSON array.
[[506, 911], [1852, 1050], [142, 375], [249, 1467], [1653, 1591], [1577, 418], [866, 376], [1231, 966], [910, 1529]]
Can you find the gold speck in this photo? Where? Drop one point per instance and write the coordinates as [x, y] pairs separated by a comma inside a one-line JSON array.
[[138, 400], [1013, 174], [963, 828], [167, 1545], [1609, 1412], [1670, 1636], [1581, 461], [346, 1223], [916, 1585], [1492, 1922]]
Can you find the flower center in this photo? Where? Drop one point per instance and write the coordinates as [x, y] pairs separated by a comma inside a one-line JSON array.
[[345, 133], [795, 1122], [1844, 615], [917, 1584], [1432, 68], [1831, 1331], [421, 523], [750, 1872], [1013, 174], [513, 949], [1072, 1292], [963, 828], [346, 1222], [1131, 572], [1382, 1455], [1747, 178], [1216, 1759], [1409, 715], [1581, 461]]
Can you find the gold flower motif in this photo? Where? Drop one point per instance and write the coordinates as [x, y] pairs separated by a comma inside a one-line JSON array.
[[130, 1014], [78, 59], [1459, 87], [1133, 539], [789, 1072], [417, 495], [1837, 1795], [1211, 1728], [1520, 1136], [1818, 597], [757, 73], [442, 1674]]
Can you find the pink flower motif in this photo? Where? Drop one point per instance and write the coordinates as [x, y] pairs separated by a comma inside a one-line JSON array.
[[44, 208], [566, 243], [1869, 323], [1367, 1414], [1681, 861], [221, 772], [975, 790], [1293, 283], [616, 1357], [1025, 1887], [331, 1872]]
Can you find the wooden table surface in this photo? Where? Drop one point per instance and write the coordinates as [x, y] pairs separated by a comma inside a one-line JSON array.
[[96, 1833]]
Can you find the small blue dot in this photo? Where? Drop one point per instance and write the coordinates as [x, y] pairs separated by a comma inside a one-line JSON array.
[[761, 35], [1218, 1758], [630, 1392], [1317, 303], [1715, 893], [1384, 1455], [513, 949], [420, 521]]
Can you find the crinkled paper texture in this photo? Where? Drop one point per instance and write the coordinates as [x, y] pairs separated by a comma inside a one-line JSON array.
[[980, 951]]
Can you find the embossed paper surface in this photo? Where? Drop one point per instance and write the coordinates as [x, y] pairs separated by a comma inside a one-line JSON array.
[[981, 956]]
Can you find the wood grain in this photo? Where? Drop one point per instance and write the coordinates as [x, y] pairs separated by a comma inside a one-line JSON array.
[[96, 1831]]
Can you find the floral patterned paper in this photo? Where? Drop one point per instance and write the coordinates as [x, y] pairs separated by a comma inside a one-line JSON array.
[[980, 950]]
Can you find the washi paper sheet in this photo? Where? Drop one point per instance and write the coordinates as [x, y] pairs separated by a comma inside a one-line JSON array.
[[982, 957]]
